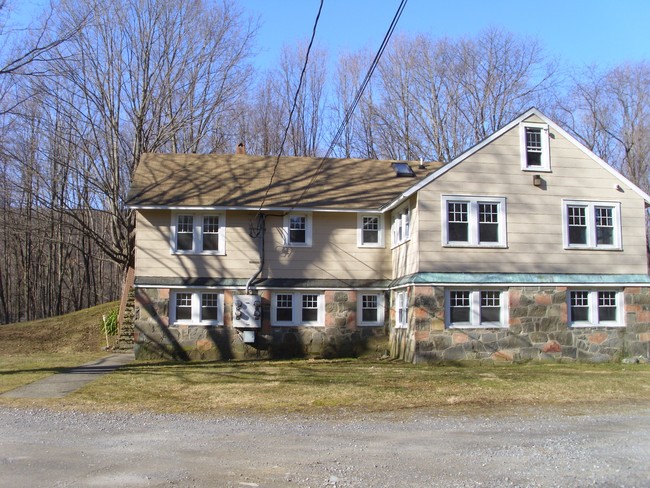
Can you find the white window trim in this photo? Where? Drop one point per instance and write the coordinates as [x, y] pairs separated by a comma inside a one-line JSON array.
[[308, 229], [297, 310], [380, 308], [591, 225], [380, 231], [473, 224], [593, 309], [196, 308], [401, 302], [402, 218], [197, 240], [475, 310], [545, 167]]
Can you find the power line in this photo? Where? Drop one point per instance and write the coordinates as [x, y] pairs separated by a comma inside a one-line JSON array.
[[357, 98], [293, 107]]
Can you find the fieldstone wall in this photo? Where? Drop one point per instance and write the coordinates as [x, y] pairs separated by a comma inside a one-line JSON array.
[[538, 330], [340, 336]]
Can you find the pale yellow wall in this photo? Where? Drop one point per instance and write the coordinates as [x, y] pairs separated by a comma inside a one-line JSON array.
[[334, 253], [153, 256], [405, 257], [534, 215]]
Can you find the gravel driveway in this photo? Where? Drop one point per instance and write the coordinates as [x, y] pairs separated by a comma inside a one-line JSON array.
[[525, 447]]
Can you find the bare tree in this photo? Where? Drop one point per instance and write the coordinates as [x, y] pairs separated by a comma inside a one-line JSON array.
[[609, 111], [142, 76], [435, 98]]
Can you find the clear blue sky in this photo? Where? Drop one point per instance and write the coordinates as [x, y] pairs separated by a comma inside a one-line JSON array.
[[579, 32]]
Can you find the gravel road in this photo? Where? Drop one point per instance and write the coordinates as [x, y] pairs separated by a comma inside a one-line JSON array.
[[528, 447]]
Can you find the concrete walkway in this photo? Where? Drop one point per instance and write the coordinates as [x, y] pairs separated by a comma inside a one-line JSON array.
[[62, 384]]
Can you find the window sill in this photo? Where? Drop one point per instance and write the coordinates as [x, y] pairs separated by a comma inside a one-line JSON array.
[[475, 246], [200, 253], [588, 325], [370, 246], [587, 248], [198, 324], [536, 170], [372, 324], [297, 325], [470, 326]]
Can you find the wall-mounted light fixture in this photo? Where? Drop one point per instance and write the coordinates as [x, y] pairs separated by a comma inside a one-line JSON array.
[[537, 180]]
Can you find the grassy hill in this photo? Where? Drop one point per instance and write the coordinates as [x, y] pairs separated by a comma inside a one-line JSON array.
[[72, 333]]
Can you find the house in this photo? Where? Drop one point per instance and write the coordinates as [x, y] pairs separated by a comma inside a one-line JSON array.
[[527, 246]]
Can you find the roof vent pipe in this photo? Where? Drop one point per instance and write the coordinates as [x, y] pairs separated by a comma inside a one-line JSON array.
[[422, 164]]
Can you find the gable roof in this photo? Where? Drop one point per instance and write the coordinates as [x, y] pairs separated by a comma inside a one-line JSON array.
[[529, 113], [240, 181]]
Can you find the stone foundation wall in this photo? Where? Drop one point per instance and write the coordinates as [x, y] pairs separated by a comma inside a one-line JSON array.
[[538, 330], [339, 337]]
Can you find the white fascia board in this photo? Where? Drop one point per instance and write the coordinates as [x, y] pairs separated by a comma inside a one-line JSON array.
[[533, 111], [593, 156], [456, 161], [195, 208]]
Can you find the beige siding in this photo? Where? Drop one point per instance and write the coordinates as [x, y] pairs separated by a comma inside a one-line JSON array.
[[334, 253], [405, 257], [154, 257], [534, 215]]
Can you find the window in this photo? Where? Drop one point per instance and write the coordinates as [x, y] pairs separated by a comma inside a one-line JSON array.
[[474, 221], [297, 230], [401, 309], [476, 308], [196, 308], [595, 307], [535, 147], [401, 228], [297, 309], [370, 231], [592, 225], [198, 233], [370, 308]]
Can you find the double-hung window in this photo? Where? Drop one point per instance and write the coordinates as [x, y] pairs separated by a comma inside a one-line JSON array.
[[592, 225], [401, 226], [370, 230], [298, 229], [473, 221], [198, 233], [535, 147], [370, 308], [305, 308], [476, 308], [401, 309], [196, 308], [595, 307]]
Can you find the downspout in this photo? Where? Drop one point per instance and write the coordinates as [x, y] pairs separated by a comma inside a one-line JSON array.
[[261, 228]]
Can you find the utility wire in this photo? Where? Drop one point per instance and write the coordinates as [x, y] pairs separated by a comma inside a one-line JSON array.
[[293, 107], [357, 98]]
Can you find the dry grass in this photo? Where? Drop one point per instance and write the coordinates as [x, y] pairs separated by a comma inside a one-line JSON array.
[[357, 386], [307, 386], [71, 333]]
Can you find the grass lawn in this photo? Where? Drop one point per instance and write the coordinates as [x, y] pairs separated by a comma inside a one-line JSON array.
[[31, 351], [350, 386]]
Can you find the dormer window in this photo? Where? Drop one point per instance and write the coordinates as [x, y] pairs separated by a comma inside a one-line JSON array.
[[535, 147]]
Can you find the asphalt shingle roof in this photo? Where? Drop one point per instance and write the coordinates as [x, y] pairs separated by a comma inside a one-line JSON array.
[[229, 180]]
